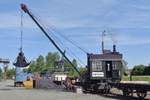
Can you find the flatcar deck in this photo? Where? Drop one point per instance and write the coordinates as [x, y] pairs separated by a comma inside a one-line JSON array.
[[128, 88]]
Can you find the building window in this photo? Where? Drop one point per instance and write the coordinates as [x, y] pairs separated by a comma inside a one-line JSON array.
[[96, 66]]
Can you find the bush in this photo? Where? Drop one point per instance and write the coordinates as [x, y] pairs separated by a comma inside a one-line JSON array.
[[146, 70], [138, 70]]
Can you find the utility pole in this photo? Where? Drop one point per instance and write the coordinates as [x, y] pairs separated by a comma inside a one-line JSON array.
[[5, 67]]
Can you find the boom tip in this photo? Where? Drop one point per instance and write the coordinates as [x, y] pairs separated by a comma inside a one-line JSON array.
[[24, 7]]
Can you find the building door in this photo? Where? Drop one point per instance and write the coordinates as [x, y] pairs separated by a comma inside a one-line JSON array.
[[108, 69]]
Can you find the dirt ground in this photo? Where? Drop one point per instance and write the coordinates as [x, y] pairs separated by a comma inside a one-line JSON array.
[[8, 92]]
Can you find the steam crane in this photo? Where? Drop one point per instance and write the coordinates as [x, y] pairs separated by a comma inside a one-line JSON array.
[[103, 70], [26, 10]]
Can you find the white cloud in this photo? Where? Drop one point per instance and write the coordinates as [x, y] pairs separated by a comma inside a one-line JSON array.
[[98, 14], [12, 20], [87, 20], [133, 40]]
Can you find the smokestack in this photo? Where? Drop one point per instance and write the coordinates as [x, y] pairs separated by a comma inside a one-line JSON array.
[[114, 48], [102, 46], [103, 34]]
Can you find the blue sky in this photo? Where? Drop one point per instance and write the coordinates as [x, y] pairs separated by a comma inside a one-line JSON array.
[[81, 21]]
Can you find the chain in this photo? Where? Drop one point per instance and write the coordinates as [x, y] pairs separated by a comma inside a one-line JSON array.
[[21, 30]]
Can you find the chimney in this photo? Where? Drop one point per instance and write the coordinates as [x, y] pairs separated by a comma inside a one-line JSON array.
[[102, 46], [103, 34], [114, 48]]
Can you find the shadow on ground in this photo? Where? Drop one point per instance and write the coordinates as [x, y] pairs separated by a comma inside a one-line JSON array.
[[120, 97], [9, 85], [5, 89]]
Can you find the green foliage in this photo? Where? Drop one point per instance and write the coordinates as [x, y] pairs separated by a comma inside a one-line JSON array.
[[67, 66], [40, 64], [43, 64], [136, 78], [146, 70], [72, 72], [1, 74], [138, 70], [46, 64], [141, 70], [32, 67], [50, 61], [10, 73], [82, 70]]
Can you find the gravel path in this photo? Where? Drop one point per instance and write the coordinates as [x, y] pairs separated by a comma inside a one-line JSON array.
[[8, 92]]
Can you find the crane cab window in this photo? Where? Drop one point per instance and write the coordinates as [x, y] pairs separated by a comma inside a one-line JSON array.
[[97, 66], [116, 65]]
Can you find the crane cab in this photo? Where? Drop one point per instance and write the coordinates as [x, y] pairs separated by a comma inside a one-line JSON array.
[[106, 66]]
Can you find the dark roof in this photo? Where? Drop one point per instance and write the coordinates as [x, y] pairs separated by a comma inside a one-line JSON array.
[[106, 56]]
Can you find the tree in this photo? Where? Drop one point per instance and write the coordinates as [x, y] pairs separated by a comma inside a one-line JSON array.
[[67, 65], [40, 63], [72, 72], [138, 70], [147, 70], [43, 64], [10, 73], [36, 66], [50, 61], [1, 74], [46, 64], [32, 67], [82, 70]]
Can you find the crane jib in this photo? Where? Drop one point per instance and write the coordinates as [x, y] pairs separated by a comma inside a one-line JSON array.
[[24, 8]]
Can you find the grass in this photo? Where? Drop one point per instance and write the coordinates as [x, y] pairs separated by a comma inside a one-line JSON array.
[[136, 78]]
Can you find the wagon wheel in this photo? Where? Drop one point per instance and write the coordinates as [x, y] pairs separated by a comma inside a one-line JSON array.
[[85, 90], [128, 92], [107, 89], [103, 91], [125, 92], [141, 93]]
